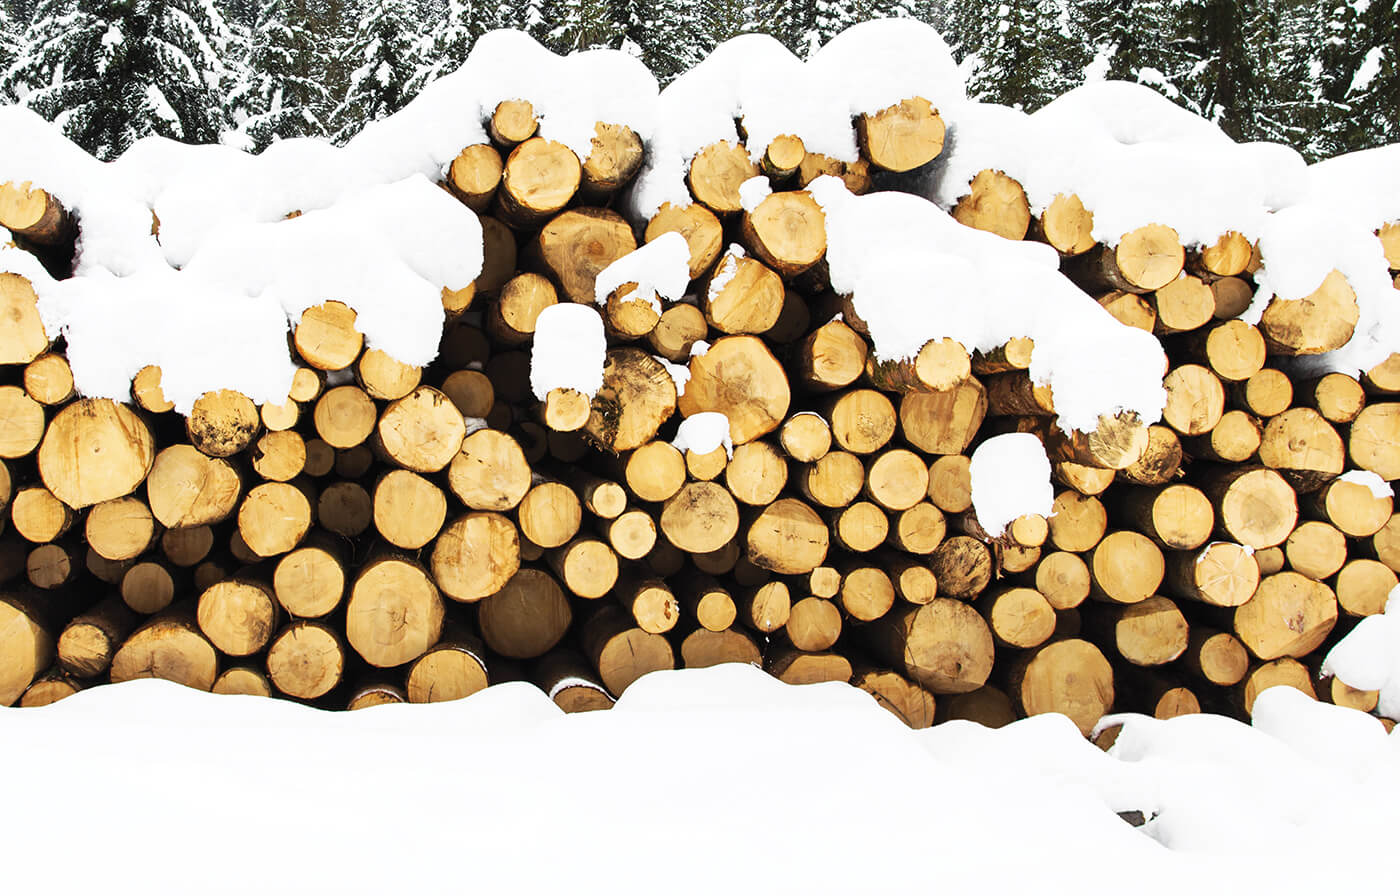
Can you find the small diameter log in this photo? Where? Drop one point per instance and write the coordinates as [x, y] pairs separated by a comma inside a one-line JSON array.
[[1018, 617], [655, 471], [1254, 506], [717, 563], [1145, 259], [950, 483], [940, 364], [24, 337], [95, 450], [576, 246], [901, 137], [306, 660], [1183, 305], [702, 231], [52, 566], [703, 648], [49, 380], [452, 669], [1228, 256], [795, 667], [1066, 225], [1320, 322], [344, 416], [567, 679], [345, 508], [831, 357], [677, 331], [1160, 460], [394, 613], [1279, 673], [632, 534], [1316, 550], [326, 338], [787, 231], [910, 703], [805, 437], [1264, 394], [489, 472], [650, 602], [866, 593], [1195, 399], [1149, 633], [408, 510], [238, 616], [1337, 692], [1233, 350], [1270, 560], [512, 122], [169, 647], [1352, 507], [637, 397], [1220, 574], [549, 514], [742, 295], [700, 518], [813, 625], [1070, 677], [1233, 296], [148, 587], [1234, 439], [1336, 396], [243, 681], [1363, 586], [309, 582], [540, 178], [21, 423], [471, 391], [511, 318], [963, 566], [1125, 568], [945, 646], [716, 172], [474, 175], [1289, 615], [1178, 516], [274, 518], [476, 555], [756, 474], [996, 203], [587, 567], [1063, 578], [1077, 522], [353, 463], [765, 608], [34, 214], [943, 422], [860, 527], [787, 537], [376, 694], [51, 687], [862, 420], [527, 617], [1215, 656], [26, 646], [38, 516], [603, 498], [279, 455], [918, 530], [1374, 442], [620, 651], [382, 376], [710, 604], [1304, 447], [1383, 378], [320, 458], [88, 643]]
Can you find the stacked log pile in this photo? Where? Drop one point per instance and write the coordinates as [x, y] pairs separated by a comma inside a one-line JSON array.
[[389, 533]]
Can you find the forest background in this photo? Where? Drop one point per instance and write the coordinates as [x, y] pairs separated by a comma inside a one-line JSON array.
[[1320, 75]]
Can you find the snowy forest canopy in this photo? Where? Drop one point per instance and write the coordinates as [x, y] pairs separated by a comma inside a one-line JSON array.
[[1321, 75]]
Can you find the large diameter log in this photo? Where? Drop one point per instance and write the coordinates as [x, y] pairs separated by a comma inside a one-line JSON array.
[[408, 510], [566, 678], [940, 364], [740, 378], [1320, 322], [489, 472], [474, 175], [1070, 677], [394, 613], [1221, 574], [1126, 567], [862, 420], [476, 555], [901, 137], [788, 538], [95, 450], [944, 645], [1282, 672], [700, 518], [620, 651], [527, 617], [573, 248], [1183, 305], [238, 616], [26, 646], [703, 234], [1018, 617], [995, 202], [943, 422], [274, 518], [1178, 516], [1145, 259], [1195, 399], [796, 667], [423, 431], [169, 647], [756, 474], [88, 643], [1254, 506], [38, 516], [637, 397], [1304, 447], [453, 669], [540, 178], [1363, 587], [742, 295], [309, 582], [787, 231], [306, 660], [21, 423], [24, 337], [34, 214], [1289, 615], [1316, 549], [716, 173], [1374, 442], [1152, 632], [703, 648], [963, 566]]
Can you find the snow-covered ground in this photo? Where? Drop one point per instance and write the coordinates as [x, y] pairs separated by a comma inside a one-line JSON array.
[[717, 780]]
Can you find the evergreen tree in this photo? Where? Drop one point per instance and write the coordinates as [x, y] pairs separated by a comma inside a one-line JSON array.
[[382, 62], [8, 45], [680, 38], [445, 44], [631, 22], [282, 92], [112, 71], [1371, 93], [1027, 52]]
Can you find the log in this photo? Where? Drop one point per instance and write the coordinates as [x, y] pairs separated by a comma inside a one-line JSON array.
[[910, 703], [1363, 585], [1160, 461], [1215, 656], [320, 458], [325, 336], [1077, 522], [831, 357], [587, 567], [703, 648], [344, 416], [862, 420], [422, 432], [996, 203], [756, 474], [475, 556], [1130, 310], [950, 483], [650, 602], [187, 547], [677, 331], [452, 669], [710, 604], [95, 450], [394, 613], [655, 471], [940, 364], [834, 480], [550, 514], [1178, 517], [855, 175], [787, 537], [274, 518], [988, 706], [805, 437], [279, 455], [376, 694], [1233, 350], [540, 178], [511, 318], [1254, 506], [1066, 225], [489, 472], [701, 517], [26, 648], [471, 392], [1014, 393], [354, 462], [1304, 447], [408, 510], [637, 397], [49, 380], [620, 651], [238, 616], [1152, 632], [1018, 617], [813, 625], [787, 231], [795, 667], [1289, 615], [525, 618], [148, 587], [382, 376], [1234, 439], [1352, 507], [1183, 305], [574, 247], [345, 508], [1322, 321], [1144, 260], [1125, 567], [1373, 444], [1264, 394], [944, 646], [1386, 543], [574, 687], [38, 516], [244, 681], [901, 137], [88, 643], [169, 647], [309, 582], [632, 533], [1336, 396], [306, 660], [918, 530], [1070, 677], [1221, 574], [512, 122], [35, 214], [1063, 578], [1195, 399], [962, 565], [1316, 549], [474, 175], [866, 593], [765, 608], [717, 563], [1279, 673], [943, 422], [24, 337], [703, 234], [859, 527], [50, 687], [716, 172], [741, 295], [53, 566]]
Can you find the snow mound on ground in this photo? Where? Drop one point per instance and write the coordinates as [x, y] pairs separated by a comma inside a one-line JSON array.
[[1368, 658]]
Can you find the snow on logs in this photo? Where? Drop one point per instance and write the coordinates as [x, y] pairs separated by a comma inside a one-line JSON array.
[[705, 396]]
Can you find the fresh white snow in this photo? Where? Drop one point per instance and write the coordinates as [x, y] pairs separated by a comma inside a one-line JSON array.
[[1368, 658], [569, 350], [703, 433], [1010, 478], [660, 269]]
